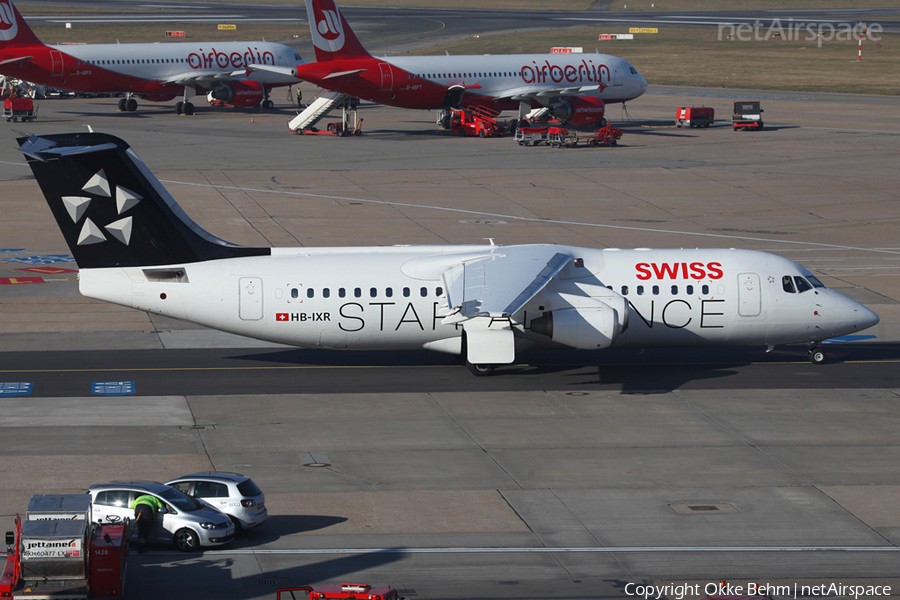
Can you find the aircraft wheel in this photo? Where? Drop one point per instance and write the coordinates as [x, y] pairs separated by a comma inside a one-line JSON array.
[[188, 108], [179, 107], [603, 122], [122, 105], [481, 370], [268, 104], [817, 356], [131, 105]]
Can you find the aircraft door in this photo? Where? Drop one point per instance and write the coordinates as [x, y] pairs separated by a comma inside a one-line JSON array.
[[251, 300], [387, 77], [749, 295], [56, 63], [618, 77]]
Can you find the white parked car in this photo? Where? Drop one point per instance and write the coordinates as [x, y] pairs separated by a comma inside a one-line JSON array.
[[232, 493], [183, 521]]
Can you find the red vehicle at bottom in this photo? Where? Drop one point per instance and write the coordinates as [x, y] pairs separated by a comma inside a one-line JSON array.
[[348, 591]]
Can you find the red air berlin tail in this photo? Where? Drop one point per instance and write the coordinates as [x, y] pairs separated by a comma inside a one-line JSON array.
[[14, 32], [332, 36]]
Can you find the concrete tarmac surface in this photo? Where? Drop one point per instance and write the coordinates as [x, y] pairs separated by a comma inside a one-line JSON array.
[[551, 492]]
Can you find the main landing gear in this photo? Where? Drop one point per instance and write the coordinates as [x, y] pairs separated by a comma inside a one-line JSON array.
[[127, 104], [184, 108], [816, 355]]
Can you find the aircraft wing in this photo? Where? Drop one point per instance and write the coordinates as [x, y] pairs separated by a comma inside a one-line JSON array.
[[545, 96], [500, 284], [205, 79]]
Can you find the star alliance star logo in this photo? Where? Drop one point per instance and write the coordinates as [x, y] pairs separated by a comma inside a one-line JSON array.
[[77, 206]]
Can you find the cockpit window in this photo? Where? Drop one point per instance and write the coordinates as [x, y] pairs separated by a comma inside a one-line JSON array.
[[788, 284], [815, 281], [802, 285]]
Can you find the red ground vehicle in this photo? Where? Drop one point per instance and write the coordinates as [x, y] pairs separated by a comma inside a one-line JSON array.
[[606, 135], [18, 108], [350, 591], [479, 120], [64, 559], [694, 116]]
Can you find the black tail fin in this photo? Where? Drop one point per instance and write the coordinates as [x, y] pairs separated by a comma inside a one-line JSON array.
[[113, 212]]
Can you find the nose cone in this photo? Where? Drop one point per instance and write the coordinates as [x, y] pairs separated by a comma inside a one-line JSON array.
[[867, 317], [642, 83], [851, 316]]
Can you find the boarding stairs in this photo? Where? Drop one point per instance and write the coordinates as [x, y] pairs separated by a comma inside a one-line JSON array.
[[317, 110]]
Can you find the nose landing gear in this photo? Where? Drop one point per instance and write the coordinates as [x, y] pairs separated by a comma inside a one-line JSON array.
[[816, 355]]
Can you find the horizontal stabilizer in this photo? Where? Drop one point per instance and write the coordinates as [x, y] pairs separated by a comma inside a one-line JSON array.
[[344, 73], [18, 59]]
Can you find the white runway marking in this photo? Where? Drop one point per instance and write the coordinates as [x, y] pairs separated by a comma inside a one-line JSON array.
[[545, 550], [535, 219]]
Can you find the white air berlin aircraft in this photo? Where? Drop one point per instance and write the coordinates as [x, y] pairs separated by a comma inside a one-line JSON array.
[[136, 247], [575, 87], [155, 72]]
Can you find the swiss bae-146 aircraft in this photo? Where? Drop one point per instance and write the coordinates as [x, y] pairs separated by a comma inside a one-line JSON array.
[[136, 247], [155, 72], [574, 87]]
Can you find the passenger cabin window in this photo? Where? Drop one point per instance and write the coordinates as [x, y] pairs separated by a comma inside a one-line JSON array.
[[373, 292], [689, 289], [674, 290], [802, 285], [438, 291], [656, 290], [326, 292], [640, 290], [357, 292], [310, 292], [342, 292], [624, 290], [406, 292], [787, 283], [705, 290], [295, 293]]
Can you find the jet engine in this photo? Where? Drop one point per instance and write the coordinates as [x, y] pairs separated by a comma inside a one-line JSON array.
[[240, 93], [585, 328], [579, 111]]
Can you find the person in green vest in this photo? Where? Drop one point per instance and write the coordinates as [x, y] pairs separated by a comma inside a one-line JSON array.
[[145, 509]]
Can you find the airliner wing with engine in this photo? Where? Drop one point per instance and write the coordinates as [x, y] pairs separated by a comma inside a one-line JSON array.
[[136, 247], [155, 72], [575, 88]]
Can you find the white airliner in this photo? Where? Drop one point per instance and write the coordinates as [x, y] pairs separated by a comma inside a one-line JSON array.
[[155, 72], [136, 247], [574, 87]]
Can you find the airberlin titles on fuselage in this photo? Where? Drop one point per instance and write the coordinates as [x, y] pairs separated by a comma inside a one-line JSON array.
[[221, 60], [569, 73]]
